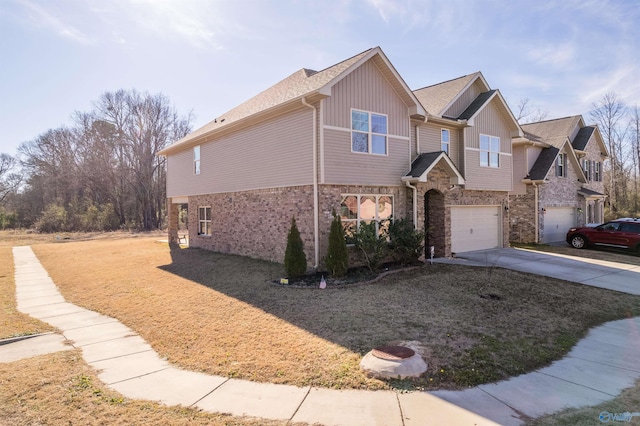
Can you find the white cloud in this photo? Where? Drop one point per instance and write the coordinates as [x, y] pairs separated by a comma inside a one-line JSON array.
[[48, 19], [557, 56]]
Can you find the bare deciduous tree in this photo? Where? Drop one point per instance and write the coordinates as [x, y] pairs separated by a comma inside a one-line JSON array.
[[607, 114], [526, 113], [9, 180]]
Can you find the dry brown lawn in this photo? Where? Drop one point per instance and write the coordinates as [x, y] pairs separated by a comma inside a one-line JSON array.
[[218, 314], [12, 322], [60, 389]]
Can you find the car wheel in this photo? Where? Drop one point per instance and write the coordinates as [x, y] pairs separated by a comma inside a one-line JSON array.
[[578, 241]]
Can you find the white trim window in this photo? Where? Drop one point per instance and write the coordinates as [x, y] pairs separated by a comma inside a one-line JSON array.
[[196, 160], [355, 209], [204, 220], [368, 132], [445, 139], [561, 165], [489, 151], [598, 172], [587, 167]]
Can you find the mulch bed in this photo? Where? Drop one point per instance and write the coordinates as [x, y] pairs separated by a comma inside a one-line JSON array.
[[354, 276]]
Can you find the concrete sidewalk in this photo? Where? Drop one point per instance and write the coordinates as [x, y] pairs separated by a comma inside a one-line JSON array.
[[596, 370]]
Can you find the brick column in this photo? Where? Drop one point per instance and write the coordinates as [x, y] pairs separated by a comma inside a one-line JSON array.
[[173, 222]]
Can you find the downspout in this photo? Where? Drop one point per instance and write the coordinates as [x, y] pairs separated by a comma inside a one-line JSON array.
[[316, 219], [415, 203], [537, 215]]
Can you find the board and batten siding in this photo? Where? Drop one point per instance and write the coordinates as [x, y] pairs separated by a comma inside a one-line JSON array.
[[489, 121], [275, 153], [463, 101], [343, 167], [366, 89]]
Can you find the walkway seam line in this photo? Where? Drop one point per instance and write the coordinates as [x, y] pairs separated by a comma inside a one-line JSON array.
[[136, 377], [400, 408], [577, 384], [212, 391], [299, 405]]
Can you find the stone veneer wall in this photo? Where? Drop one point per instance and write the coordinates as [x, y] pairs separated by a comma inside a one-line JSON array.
[[522, 212], [255, 223]]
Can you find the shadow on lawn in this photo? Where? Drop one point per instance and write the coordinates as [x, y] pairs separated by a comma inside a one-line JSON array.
[[357, 317]]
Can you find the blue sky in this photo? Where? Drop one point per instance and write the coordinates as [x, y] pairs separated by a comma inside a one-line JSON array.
[[207, 56]]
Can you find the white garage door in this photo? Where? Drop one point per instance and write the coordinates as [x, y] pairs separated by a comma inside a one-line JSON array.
[[475, 228], [557, 221]]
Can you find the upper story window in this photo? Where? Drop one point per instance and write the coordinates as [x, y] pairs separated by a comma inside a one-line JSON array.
[[196, 160], [587, 167], [368, 132], [444, 140], [598, 172], [489, 151], [561, 165]]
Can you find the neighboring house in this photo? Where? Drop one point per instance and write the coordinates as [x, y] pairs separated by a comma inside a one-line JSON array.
[[355, 139], [558, 179]]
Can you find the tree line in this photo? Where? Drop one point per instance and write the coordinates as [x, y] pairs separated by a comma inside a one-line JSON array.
[[619, 125], [101, 173]]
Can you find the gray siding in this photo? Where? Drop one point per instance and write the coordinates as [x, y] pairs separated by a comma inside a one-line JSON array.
[[274, 153], [366, 89], [489, 122], [344, 167]]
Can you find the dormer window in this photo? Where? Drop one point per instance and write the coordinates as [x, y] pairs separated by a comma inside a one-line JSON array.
[[368, 132]]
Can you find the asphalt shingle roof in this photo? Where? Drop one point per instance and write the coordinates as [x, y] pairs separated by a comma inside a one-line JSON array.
[[422, 163], [298, 84], [582, 138], [553, 132], [544, 162], [476, 105], [435, 98]]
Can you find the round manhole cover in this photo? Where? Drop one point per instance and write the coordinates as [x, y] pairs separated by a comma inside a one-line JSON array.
[[393, 353]]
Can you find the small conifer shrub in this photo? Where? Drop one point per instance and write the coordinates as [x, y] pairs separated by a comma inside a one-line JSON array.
[[337, 259], [295, 261]]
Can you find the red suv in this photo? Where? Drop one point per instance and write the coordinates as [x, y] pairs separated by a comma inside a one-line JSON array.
[[619, 233]]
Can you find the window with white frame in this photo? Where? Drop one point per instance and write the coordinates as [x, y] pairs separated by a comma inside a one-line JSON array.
[[368, 132], [355, 209], [587, 167], [561, 165], [444, 140], [598, 172], [196, 160], [489, 151], [204, 220]]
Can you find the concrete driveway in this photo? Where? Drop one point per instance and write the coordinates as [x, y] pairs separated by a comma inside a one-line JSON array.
[[597, 273]]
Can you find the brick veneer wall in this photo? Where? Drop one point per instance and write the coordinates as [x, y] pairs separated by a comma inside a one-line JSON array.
[[255, 223], [440, 218], [522, 212]]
